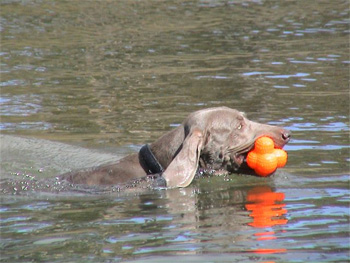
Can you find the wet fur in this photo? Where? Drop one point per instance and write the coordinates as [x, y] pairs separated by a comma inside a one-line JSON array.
[[213, 139]]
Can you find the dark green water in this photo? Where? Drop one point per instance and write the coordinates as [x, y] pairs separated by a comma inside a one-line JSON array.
[[109, 76]]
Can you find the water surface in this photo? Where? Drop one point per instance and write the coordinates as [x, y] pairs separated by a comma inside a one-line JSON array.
[[109, 76]]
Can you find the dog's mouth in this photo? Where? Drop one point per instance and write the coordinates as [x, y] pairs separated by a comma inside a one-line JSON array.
[[234, 160], [239, 163], [239, 154], [239, 157], [239, 160]]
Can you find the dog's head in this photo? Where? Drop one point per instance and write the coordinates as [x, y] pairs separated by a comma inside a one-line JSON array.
[[217, 139]]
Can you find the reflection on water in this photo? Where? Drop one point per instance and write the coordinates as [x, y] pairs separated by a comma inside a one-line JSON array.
[[240, 216], [114, 75], [267, 210], [265, 207]]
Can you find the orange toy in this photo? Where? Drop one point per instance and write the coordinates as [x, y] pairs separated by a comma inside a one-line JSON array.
[[264, 159]]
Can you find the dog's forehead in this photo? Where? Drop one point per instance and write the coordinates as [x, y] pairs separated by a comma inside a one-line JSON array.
[[218, 115], [227, 114]]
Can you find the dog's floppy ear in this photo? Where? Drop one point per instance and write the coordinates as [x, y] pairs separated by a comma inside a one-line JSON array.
[[183, 167]]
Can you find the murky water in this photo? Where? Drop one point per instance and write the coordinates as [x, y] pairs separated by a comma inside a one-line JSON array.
[[108, 76]]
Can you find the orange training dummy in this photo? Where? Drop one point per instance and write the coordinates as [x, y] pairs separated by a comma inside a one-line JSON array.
[[264, 159]]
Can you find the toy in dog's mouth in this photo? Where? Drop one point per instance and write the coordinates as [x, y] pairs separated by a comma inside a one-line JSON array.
[[266, 157], [238, 159], [261, 158]]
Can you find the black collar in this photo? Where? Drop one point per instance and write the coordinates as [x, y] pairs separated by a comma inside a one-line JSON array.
[[149, 162]]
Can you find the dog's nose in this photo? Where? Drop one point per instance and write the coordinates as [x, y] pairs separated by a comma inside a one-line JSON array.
[[286, 135]]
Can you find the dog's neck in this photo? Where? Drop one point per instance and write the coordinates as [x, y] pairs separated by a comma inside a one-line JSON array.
[[167, 146], [148, 161]]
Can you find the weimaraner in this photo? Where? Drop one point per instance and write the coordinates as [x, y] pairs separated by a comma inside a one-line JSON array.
[[214, 140]]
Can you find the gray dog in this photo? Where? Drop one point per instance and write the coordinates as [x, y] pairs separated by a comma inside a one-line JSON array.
[[214, 140]]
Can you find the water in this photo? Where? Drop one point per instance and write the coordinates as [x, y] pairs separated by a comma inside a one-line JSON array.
[[108, 76]]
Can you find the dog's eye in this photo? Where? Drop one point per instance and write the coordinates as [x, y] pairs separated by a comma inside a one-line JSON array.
[[239, 127]]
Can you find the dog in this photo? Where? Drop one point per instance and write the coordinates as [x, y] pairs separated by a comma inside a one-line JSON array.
[[213, 140]]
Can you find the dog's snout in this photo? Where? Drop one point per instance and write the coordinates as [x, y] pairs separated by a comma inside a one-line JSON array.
[[286, 135]]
